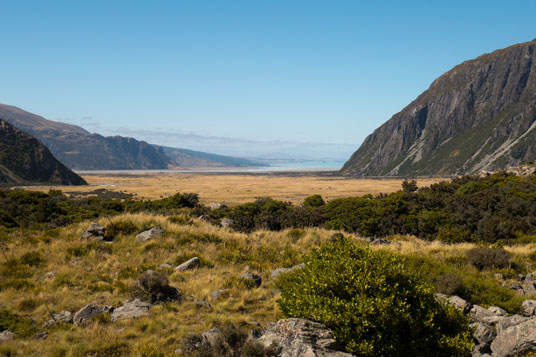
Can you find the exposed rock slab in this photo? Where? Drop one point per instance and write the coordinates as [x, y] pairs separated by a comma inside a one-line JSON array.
[[189, 264], [94, 232], [155, 232], [131, 310]]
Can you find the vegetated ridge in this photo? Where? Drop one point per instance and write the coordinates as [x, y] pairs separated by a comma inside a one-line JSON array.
[[79, 149], [480, 115], [24, 160]]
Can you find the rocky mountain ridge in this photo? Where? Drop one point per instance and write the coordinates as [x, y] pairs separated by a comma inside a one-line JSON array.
[[24, 160], [480, 115]]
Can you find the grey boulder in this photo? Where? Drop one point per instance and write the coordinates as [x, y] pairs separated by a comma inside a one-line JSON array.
[[298, 337], [131, 310], [94, 232], [515, 340], [279, 271], [6, 336], [189, 264], [155, 232], [528, 307], [88, 312], [252, 277]]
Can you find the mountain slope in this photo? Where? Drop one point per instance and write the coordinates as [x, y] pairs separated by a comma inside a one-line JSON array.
[[481, 115], [192, 158], [24, 160]]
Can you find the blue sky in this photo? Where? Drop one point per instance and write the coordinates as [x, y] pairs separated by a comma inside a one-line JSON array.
[[236, 77]]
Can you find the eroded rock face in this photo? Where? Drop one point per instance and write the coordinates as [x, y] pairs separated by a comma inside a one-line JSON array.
[[94, 232], [475, 117], [189, 264], [88, 312], [515, 340], [155, 232], [299, 337], [131, 310]]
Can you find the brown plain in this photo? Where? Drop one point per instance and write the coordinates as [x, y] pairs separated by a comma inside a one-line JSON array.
[[237, 188]]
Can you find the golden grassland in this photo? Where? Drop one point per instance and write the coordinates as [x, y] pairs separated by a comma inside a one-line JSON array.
[[104, 273], [237, 188]]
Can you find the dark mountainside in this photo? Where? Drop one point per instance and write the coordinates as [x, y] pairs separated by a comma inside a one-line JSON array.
[[24, 160], [82, 150], [480, 115]]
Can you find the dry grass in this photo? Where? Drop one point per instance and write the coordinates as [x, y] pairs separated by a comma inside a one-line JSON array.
[[234, 188]]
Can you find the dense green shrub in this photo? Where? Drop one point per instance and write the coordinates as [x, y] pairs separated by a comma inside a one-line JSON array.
[[487, 258], [20, 326], [373, 304]]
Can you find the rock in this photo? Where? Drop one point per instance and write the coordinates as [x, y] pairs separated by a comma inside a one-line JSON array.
[[155, 232], [442, 298], [529, 307], [131, 310], [6, 336], [460, 304], [482, 333], [89, 311], [217, 205], [42, 336], [298, 337], [253, 277], [94, 232], [49, 275], [226, 222], [64, 317], [509, 321], [215, 295], [189, 264], [380, 241], [165, 266], [278, 271], [211, 336], [478, 313], [529, 288], [497, 311], [499, 276], [202, 303], [515, 340]]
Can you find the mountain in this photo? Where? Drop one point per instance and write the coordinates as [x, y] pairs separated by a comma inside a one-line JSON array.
[[480, 115], [25, 160], [192, 158], [82, 150]]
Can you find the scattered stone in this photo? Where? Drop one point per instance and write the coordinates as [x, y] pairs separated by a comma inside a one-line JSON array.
[[75, 261], [217, 205], [202, 303], [515, 340], [482, 333], [226, 222], [189, 264], [155, 232], [6, 336], [89, 311], [131, 310], [499, 276], [215, 295], [508, 321], [165, 266], [529, 307], [380, 241], [254, 277], [299, 337], [50, 275], [64, 317], [278, 271], [460, 304], [94, 232], [42, 336]]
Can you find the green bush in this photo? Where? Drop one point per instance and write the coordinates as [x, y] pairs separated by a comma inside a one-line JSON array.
[[373, 303], [153, 287], [487, 258], [120, 228], [20, 326], [32, 259]]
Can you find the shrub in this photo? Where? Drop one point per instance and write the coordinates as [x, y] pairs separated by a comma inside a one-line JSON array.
[[487, 258], [450, 284], [120, 227], [153, 287], [314, 201], [20, 326], [373, 303], [409, 186], [32, 259]]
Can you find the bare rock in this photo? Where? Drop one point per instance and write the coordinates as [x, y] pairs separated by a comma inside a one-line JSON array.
[[299, 337], [215, 295], [41, 336], [217, 205], [460, 304], [529, 288], [226, 222], [49, 275], [189, 264], [165, 266], [64, 317], [529, 307], [155, 232], [6, 336], [202, 303], [89, 311], [509, 321], [94, 232], [482, 334], [278, 271], [131, 310], [253, 277], [497, 311], [515, 340]]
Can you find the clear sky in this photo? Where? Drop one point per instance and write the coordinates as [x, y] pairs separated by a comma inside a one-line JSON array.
[[270, 71]]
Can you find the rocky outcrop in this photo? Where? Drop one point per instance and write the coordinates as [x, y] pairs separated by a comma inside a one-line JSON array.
[[189, 264], [94, 232], [155, 232], [481, 115], [24, 160], [131, 310], [88, 312], [298, 337]]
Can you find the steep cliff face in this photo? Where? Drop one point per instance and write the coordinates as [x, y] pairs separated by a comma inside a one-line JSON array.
[[24, 160], [481, 115]]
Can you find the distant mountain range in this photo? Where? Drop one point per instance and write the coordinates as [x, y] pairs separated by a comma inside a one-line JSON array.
[[81, 150], [24, 160], [481, 115]]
